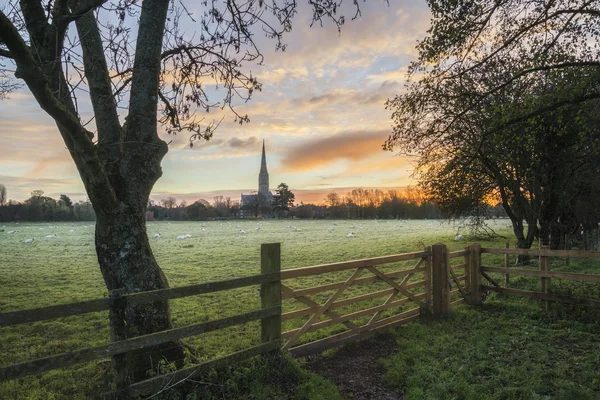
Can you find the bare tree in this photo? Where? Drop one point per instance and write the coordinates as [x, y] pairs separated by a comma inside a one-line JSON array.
[[169, 202], [132, 57], [2, 194]]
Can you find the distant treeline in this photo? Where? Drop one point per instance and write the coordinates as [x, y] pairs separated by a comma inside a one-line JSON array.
[[357, 204], [42, 208], [375, 203]]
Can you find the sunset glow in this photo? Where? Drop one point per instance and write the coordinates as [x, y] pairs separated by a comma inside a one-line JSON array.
[[321, 112]]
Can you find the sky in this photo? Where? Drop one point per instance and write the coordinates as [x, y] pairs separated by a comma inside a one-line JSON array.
[[321, 113]]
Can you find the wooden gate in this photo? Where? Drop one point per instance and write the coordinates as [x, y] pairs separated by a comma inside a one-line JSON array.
[[359, 322]]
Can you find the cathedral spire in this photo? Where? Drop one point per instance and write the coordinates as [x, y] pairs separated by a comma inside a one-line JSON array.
[[263, 161], [263, 176]]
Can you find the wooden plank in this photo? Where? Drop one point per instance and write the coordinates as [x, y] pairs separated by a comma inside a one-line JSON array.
[[270, 292], [123, 346], [506, 265], [456, 303], [396, 286], [546, 274], [385, 303], [354, 315], [364, 331], [455, 278], [324, 308], [319, 347], [167, 381], [203, 288], [315, 307], [325, 268], [475, 274], [459, 253], [392, 296], [340, 303], [66, 310], [52, 312], [543, 252], [458, 266], [360, 281], [439, 270], [489, 278], [542, 296]]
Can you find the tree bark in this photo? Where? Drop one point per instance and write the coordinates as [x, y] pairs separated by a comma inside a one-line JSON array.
[[127, 262]]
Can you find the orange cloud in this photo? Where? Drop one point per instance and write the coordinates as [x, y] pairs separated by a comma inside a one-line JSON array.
[[352, 145]]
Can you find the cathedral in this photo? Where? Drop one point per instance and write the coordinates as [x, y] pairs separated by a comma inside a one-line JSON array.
[[249, 200]]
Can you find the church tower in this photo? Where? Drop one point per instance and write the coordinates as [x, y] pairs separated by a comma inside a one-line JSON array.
[[263, 176]]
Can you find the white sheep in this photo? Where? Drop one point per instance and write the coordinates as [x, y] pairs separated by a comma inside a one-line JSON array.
[[350, 235], [29, 241], [156, 235], [50, 236], [181, 237]]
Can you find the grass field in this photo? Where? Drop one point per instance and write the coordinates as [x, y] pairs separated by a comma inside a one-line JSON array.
[[63, 269]]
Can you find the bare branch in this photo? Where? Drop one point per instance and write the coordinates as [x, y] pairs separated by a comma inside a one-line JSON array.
[[5, 53], [96, 71], [141, 122]]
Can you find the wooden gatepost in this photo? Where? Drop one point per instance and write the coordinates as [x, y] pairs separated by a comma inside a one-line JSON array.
[[441, 287], [474, 266], [270, 292]]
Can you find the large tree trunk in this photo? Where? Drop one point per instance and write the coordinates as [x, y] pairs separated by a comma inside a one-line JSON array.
[[524, 241], [120, 169], [127, 262]]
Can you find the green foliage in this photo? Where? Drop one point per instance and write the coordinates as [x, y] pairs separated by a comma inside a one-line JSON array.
[[267, 377], [284, 198], [506, 350]]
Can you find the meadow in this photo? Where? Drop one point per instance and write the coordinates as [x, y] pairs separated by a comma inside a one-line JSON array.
[[63, 269]]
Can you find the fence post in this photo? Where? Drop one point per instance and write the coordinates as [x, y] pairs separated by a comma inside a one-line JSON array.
[[441, 290], [270, 293], [546, 282], [427, 279], [118, 331], [475, 273], [507, 265]]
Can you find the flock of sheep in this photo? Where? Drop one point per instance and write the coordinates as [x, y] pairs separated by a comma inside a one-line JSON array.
[[32, 239], [238, 227]]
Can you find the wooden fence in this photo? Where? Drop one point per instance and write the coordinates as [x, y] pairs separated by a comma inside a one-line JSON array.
[[543, 272], [269, 315], [437, 286]]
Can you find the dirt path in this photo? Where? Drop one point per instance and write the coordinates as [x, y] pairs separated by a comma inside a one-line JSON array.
[[355, 371]]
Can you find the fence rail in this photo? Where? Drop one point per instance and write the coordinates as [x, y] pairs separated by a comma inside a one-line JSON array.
[[544, 273], [315, 311], [433, 284]]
